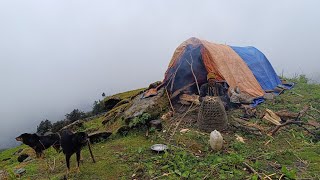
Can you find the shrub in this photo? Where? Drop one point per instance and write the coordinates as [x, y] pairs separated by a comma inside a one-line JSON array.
[[59, 125], [74, 115], [44, 126]]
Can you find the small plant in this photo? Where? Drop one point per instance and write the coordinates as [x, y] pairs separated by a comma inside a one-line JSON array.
[[140, 120], [289, 174]]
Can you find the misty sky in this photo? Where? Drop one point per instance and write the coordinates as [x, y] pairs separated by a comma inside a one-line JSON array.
[[58, 55]]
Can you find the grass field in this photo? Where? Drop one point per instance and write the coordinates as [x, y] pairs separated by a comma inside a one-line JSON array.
[[290, 154]]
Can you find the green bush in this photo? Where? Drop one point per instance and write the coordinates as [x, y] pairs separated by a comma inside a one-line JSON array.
[[44, 126], [140, 120]]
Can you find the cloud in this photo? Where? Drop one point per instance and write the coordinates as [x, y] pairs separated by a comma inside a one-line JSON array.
[[59, 55]]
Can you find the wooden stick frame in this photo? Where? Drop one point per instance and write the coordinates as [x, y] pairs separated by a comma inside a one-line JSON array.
[[92, 156], [194, 76]]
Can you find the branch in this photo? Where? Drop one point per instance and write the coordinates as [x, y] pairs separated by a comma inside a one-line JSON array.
[[252, 170], [169, 100], [299, 123], [195, 78], [177, 92], [175, 129], [174, 76]]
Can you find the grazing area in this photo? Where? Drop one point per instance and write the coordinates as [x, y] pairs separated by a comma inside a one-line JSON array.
[[290, 152]]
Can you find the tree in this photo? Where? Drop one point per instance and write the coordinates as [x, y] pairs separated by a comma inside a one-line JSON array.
[[44, 126], [58, 125], [97, 107], [74, 115]]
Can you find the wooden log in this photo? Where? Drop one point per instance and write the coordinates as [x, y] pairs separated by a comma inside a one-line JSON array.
[[177, 92], [271, 117], [248, 124], [303, 112], [299, 123]]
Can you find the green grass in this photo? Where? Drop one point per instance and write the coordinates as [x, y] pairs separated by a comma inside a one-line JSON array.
[[291, 153], [125, 95], [93, 125]]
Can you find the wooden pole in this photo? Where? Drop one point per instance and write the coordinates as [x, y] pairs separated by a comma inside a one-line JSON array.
[[170, 100], [194, 76], [92, 156], [174, 76]]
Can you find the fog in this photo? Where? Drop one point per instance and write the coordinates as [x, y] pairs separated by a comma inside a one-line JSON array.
[[59, 55]]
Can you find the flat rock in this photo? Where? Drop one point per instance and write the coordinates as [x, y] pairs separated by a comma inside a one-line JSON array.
[[17, 152], [99, 136], [22, 157], [156, 124], [27, 159], [140, 105], [20, 171]]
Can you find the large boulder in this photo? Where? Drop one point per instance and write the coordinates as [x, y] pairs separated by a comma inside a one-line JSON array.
[[142, 105], [111, 103]]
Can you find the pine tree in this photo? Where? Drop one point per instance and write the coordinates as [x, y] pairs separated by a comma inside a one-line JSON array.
[[44, 126]]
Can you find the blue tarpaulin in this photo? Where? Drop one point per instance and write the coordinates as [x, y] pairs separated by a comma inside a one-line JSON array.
[[259, 65]]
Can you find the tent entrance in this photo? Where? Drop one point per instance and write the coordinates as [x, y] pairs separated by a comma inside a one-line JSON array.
[[189, 74]]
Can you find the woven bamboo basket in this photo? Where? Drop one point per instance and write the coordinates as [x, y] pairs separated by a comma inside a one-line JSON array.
[[212, 115]]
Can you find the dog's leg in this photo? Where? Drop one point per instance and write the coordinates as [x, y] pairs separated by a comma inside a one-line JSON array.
[[68, 161], [81, 159], [78, 153], [38, 154], [68, 165], [42, 155]]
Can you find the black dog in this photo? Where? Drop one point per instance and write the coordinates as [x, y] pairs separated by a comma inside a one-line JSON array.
[[73, 143], [40, 143]]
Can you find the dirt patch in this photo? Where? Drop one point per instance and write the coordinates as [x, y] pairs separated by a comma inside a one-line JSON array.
[[117, 148]]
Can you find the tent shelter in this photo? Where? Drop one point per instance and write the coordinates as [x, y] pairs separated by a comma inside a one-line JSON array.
[[243, 67], [208, 57]]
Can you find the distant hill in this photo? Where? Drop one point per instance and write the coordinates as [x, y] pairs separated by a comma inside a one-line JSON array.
[[314, 78]]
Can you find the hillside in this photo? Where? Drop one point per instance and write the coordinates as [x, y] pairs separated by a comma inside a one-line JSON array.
[[290, 154]]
